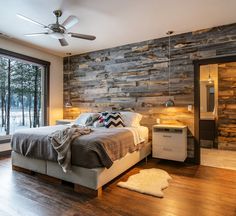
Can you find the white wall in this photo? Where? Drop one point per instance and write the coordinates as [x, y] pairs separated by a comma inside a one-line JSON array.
[[56, 75]]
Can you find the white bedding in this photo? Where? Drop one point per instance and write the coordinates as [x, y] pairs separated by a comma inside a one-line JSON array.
[[140, 134]]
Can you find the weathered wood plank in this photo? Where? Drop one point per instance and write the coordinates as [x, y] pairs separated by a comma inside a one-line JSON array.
[[227, 107], [26, 195]]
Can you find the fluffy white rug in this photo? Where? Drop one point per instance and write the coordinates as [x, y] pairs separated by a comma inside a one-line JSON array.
[[148, 181]]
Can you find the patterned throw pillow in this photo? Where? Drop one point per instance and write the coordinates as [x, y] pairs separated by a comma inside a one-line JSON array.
[[112, 119]]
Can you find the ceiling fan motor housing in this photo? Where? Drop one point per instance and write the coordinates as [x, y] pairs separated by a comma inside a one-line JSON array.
[[57, 13], [56, 30]]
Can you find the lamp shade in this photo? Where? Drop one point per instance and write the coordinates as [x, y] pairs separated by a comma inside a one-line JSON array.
[[210, 81], [68, 104], [169, 103]]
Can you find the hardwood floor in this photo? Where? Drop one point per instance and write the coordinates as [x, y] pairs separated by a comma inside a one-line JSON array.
[[194, 190]]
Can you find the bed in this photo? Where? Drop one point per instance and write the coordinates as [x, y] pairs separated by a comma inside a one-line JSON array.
[[96, 158]]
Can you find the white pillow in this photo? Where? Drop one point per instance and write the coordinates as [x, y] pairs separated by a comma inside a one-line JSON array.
[[131, 119], [97, 124], [81, 120]]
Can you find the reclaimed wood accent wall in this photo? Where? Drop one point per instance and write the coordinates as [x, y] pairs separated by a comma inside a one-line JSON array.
[[227, 107], [136, 76]]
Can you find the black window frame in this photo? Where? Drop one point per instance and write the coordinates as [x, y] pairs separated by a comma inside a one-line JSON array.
[[46, 86]]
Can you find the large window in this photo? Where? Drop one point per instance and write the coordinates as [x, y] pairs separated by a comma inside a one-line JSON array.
[[23, 92]]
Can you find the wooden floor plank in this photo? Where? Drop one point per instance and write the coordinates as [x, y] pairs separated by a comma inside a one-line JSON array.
[[194, 190]]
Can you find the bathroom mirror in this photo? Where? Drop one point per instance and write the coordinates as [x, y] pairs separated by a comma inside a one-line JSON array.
[[207, 96], [210, 97]]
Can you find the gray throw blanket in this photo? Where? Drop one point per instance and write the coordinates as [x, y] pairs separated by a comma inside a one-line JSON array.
[[98, 149], [61, 141]]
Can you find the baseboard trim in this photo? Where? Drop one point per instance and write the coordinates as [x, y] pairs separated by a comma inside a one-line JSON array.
[[190, 160]]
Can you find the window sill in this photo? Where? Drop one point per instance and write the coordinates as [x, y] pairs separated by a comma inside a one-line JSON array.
[[5, 147]]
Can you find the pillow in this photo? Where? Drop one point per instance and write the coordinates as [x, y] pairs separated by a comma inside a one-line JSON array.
[[81, 120], [131, 119], [92, 118], [97, 124], [112, 119]]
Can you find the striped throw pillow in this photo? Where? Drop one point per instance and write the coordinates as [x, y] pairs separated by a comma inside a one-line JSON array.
[[113, 119]]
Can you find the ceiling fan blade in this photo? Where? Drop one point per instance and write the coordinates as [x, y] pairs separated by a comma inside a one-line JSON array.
[[30, 20], [82, 36], [36, 34], [63, 42], [70, 22]]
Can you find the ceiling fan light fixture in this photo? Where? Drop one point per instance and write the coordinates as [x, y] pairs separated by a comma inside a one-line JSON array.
[[57, 35]]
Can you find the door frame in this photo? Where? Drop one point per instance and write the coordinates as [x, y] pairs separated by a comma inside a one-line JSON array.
[[46, 77], [197, 63]]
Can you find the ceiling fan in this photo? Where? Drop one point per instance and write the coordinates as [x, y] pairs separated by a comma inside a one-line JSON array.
[[57, 30]]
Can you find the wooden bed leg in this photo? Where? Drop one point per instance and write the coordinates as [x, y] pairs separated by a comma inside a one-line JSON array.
[[146, 160], [23, 170], [99, 192], [88, 191]]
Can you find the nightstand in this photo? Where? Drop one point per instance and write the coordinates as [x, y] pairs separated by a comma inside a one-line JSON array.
[[64, 121], [169, 142]]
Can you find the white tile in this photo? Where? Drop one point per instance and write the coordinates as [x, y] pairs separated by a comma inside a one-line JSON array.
[[218, 158]]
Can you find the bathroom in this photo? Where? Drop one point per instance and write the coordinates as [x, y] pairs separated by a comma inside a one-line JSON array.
[[217, 124]]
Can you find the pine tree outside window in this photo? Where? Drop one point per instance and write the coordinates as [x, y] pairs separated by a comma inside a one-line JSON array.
[[23, 93]]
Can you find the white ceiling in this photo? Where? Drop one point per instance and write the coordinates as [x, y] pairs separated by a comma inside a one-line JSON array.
[[113, 22]]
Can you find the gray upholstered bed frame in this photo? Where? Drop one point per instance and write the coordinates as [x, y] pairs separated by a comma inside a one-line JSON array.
[[92, 179]]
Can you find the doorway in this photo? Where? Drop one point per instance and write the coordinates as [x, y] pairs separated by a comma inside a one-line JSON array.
[[215, 112]]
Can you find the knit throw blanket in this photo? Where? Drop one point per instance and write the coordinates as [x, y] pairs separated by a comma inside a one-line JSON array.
[[61, 141]]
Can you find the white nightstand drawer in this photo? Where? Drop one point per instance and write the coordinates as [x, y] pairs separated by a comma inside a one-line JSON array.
[[168, 138], [170, 153], [169, 142]]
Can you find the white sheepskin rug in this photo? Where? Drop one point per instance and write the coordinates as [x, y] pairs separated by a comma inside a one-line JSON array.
[[148, 181]]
